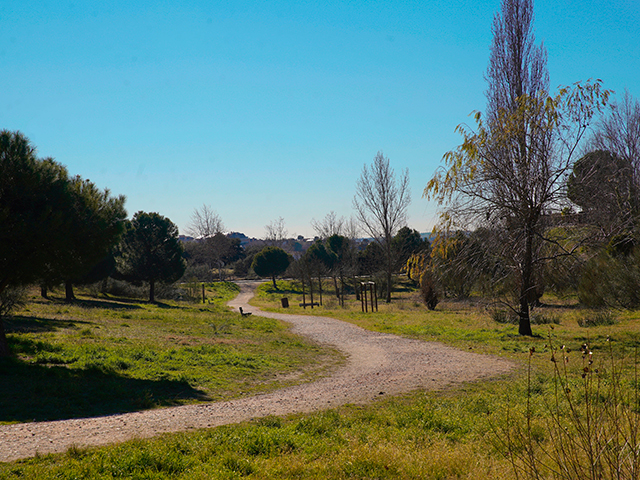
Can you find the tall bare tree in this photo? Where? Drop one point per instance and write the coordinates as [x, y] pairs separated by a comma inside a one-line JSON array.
[[381, 203], [207, 227], [516, 65], [276, 233], [205, 223], [509, 173], [619, 131], [619, 134]]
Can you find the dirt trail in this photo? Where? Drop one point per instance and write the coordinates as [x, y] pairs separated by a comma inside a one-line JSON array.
[[377, 365]]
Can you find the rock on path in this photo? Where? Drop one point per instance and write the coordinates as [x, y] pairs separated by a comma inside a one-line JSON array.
[[377, 364]]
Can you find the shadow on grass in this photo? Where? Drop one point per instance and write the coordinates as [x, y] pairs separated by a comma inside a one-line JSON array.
[[118, 303], [25, 324], [166, 306], [37, 393]]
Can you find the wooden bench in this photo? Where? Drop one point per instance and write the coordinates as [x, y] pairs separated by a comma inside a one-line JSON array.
[[244, 314], [305, 305]]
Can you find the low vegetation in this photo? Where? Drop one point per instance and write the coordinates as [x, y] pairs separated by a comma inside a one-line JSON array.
[[502, 428]]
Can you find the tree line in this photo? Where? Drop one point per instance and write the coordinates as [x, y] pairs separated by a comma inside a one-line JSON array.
[[62, 229]]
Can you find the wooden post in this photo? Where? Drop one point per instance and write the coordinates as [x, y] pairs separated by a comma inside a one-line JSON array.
[[304, 298], [365, 302], [374, 293], [203, 293]]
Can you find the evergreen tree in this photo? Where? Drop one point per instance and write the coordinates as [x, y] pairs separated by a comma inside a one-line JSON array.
[[151, 251]]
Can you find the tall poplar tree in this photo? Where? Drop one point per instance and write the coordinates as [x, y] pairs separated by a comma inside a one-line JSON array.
[[509, 174]]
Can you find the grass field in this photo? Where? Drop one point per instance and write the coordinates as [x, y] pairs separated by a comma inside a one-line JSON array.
[[103, 356], [461, 432]]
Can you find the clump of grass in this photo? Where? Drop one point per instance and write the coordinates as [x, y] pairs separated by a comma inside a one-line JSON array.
[[595, 318], [539, 318], [504, 316]]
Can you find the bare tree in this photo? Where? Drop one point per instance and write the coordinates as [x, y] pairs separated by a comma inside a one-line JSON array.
[[510, 173], [351, 229], [381, 203], [276, 233], [330, 225], [205, 223], [619, 132], [516, 65], [207, 227], [491, 180]]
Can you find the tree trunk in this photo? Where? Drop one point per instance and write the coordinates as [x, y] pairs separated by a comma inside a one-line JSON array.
[[389, 267], [320, 288], [152, 291], [275, 287], [68, 292], [524, 325], [4, 344], [43, 292], [335, 285]]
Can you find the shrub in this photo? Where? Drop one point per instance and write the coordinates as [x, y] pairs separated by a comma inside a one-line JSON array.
[[538, 318], [611, 281], [10, 298], [504, 316], [428, 292]]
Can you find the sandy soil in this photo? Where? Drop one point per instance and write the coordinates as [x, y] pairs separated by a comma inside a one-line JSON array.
[[377, 365]]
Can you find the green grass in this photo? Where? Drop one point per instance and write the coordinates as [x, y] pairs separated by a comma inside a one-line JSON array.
[[455, 433], [97, 357], [465, 324], [416, 436]]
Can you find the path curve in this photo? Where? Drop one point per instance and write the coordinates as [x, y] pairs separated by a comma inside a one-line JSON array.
[[377, 365]]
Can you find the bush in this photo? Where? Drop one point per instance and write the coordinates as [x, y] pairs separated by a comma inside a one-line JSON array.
[[428, 292], [120, 288], [609, 281], [504, 316], [11, 298], [199, 273], [538, 318]]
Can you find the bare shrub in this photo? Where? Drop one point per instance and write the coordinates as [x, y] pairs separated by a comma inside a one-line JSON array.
[[586, 425]]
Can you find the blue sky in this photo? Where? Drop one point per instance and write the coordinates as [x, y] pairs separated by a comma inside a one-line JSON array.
[[267, 109]]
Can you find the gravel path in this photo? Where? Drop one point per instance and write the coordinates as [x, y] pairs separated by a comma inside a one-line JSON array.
[[377, 365]]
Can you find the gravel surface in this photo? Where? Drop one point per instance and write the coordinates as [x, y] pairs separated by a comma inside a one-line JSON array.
[[377, 365]]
